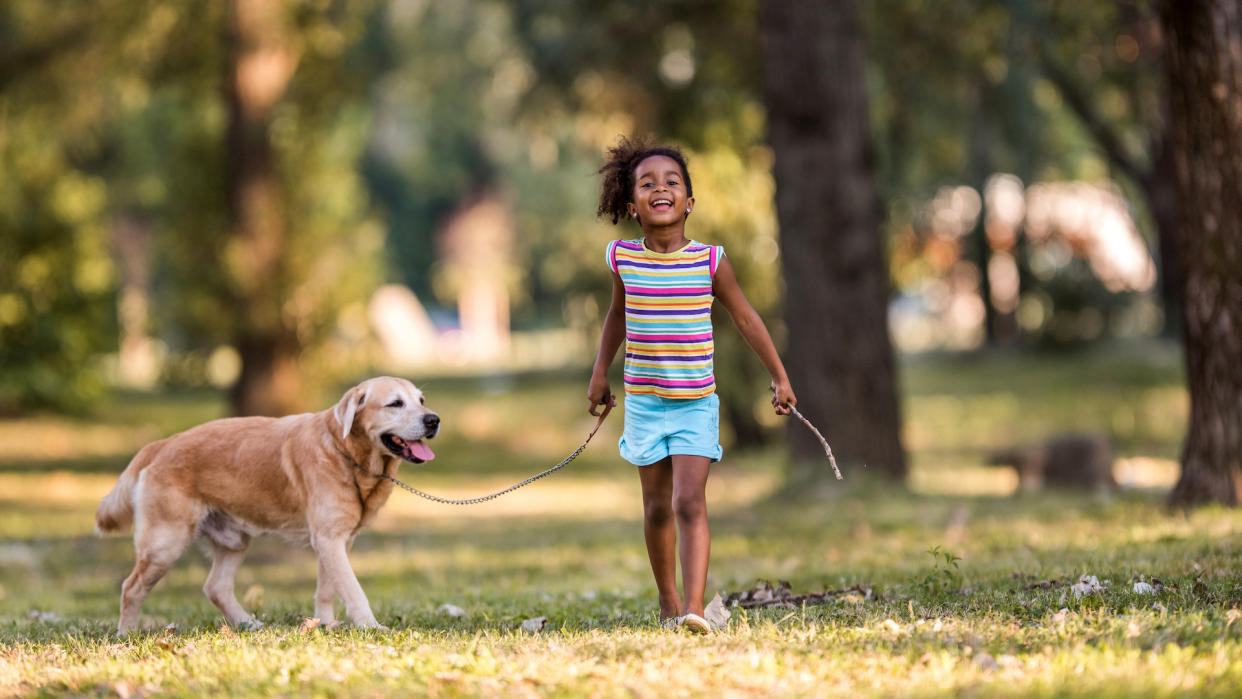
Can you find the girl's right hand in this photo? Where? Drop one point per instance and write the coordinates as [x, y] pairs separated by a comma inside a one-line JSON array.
[[598, 393]]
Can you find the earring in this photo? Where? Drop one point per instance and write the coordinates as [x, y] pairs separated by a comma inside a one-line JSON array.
[[634, 215]]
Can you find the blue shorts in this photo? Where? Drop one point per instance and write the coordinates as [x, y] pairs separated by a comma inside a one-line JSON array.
[[657, 427]]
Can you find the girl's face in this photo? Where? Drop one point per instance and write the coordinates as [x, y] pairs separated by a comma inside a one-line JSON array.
[[659, 197]]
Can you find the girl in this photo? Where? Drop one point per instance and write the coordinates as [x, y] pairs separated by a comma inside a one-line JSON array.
[[663, 285]]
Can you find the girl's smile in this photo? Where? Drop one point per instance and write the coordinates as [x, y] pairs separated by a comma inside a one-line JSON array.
[[660, 197]]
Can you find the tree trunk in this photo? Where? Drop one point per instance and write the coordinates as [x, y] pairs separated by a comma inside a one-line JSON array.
[[840, 359], [260, 65], [137, 365], [1204, 64], [1160, 189]]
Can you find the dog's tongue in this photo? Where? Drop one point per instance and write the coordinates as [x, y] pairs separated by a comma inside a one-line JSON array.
[[419, 450]]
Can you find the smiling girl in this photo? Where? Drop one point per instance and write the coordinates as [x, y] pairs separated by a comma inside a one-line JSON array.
[[663, 286]]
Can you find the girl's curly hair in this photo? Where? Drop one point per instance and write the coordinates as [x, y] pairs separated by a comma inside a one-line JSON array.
[[618, 185]]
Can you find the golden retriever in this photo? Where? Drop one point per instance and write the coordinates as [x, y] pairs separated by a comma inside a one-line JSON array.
[[229, 480]]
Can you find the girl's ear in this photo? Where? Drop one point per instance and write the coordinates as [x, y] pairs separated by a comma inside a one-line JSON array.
[[689, 204], [347, 407], [629, 209]]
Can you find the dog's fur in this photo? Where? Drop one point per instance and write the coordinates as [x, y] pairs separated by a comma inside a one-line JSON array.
[[1079, 461], [231, 479]]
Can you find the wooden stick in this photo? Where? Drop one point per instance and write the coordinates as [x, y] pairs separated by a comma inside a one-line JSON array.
[[827, 449]]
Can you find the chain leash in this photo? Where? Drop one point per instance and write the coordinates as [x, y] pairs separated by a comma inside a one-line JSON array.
[[493, 496], [564, 462]]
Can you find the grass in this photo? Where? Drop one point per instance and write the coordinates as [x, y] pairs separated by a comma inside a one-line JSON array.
[[994, 617]]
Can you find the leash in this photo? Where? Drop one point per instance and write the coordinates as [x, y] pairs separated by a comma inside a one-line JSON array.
[[474, 501]]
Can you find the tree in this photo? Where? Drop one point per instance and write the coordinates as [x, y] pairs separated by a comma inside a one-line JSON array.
[[261, 61], [61, 70], [1118, 49], [840, 358], [1204, 70], [300, 245]]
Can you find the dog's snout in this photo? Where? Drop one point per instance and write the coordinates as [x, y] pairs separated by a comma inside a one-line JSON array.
[[431, 421]]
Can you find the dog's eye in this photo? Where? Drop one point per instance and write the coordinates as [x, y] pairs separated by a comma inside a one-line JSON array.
[[397, 404], [422, 401]]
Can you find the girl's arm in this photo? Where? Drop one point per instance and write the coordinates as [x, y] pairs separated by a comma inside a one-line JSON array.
[[748, 322], [599, 391]]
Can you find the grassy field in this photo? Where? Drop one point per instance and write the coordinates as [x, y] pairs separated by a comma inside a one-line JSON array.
[[996, 616]]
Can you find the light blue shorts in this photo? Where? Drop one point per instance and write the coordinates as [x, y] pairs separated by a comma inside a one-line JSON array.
[[656, 427]]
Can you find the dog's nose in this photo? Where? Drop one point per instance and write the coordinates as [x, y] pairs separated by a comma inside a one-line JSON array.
[[431, 421]]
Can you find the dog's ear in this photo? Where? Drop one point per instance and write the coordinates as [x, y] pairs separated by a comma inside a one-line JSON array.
[[347, 407]]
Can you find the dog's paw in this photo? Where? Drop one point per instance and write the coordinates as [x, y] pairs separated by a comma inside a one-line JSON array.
[[249, 625]]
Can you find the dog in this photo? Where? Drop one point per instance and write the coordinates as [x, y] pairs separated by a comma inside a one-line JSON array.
[[1073, 460], [232, 479]]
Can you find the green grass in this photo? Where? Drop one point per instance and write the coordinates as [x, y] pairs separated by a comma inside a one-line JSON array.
[[569, 548]]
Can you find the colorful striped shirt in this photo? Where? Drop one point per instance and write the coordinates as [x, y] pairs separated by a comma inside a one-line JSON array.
[[668, 317]]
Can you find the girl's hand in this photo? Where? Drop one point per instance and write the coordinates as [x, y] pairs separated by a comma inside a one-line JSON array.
[[783, 397], [598, 393]]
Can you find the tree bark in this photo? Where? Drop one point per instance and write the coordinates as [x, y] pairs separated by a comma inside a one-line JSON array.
[[1204, 64], [260, 65], [840, 358], [1160, 189]]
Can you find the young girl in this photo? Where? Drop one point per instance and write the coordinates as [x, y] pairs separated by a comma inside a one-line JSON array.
[[663, 285]]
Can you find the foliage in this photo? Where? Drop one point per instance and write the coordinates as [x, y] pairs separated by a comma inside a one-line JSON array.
[[56, 272], [1046, 91], [400, 111], [943, 576]]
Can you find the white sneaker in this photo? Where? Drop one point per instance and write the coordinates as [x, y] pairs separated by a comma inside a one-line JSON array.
[[695, 624]]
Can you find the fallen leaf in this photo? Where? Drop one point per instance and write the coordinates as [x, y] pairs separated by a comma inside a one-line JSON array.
[[892, 627], [535, 624], [308, 623], [226, 631], [124, 688], [44, 617], [165, 644], [1088, 585], [451, 610], [715, 613], [985, 661], [1142, 588]]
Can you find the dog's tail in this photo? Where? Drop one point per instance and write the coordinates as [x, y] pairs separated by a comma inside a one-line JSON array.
[[116, 511]]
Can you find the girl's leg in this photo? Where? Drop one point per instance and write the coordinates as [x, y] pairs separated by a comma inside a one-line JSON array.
[[660, 532], [690, 509]]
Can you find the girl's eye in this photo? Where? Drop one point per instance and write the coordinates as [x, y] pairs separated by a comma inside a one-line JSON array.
[[397, 404]]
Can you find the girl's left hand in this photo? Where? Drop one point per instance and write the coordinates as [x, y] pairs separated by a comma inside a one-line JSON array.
[[783, 397]]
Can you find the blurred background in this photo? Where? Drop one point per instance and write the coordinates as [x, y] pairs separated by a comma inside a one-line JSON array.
[[214, 208]]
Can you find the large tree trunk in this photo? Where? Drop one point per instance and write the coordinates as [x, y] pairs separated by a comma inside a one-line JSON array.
[[261, 63], [840, 359], [1204, 64]]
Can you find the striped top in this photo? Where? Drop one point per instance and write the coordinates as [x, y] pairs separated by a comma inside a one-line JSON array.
[[668, 317]]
